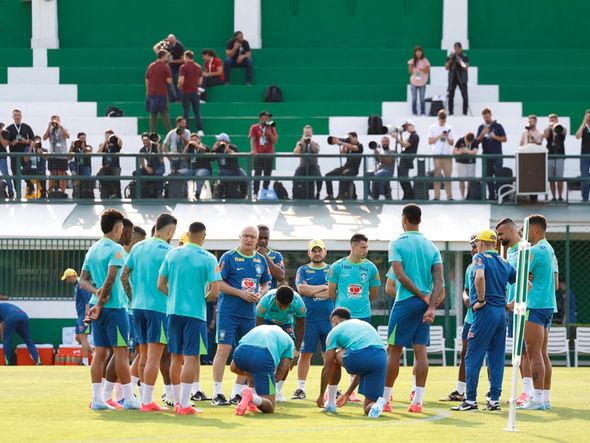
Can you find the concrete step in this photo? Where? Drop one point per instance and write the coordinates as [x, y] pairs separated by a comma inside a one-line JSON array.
[[89, 125], [33, 76], [476, 93], [46, 109], [39, 93], [440, 76], [500, 109]]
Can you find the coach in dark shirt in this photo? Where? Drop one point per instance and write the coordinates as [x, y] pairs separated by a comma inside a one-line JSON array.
[[491, 135], [406, 162], [238, 55], [583, 133], [20, 136]]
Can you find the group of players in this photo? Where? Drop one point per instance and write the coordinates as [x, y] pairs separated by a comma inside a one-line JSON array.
[[270, 327]]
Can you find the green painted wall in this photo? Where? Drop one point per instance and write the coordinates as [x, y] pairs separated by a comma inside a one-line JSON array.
[[351, 23], [15, 24], [140, 23], [529, 24]]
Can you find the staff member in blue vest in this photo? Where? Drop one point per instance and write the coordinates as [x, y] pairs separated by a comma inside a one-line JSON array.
[[14, 319]]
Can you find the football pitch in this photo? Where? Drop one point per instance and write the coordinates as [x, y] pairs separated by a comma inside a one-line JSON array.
[[51, 404]]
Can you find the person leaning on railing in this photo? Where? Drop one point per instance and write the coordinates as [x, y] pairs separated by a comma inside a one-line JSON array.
[[352, 150], [35, 164]]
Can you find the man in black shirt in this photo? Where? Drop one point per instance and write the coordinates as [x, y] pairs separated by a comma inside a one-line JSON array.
[[238, 55], [352, 149], [176, 50], [20, 136], [81, 165], [409, 149], [583, 133], [229, 166], [465, 150], [555, 136], [457, 64], [110, 165]]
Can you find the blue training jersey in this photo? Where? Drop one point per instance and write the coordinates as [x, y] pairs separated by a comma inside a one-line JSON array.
[[317, 309], [8, 310], [82, 299], [498, 273], [277, 258]]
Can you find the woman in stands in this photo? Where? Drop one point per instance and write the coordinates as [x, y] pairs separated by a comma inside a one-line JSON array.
[[419, 68]]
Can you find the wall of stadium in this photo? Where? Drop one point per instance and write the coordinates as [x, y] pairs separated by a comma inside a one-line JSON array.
[[15, 24]]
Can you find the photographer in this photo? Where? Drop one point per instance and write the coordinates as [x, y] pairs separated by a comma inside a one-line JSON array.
[[81, 164], [406, 162], [352, 150], [263, 136], [385, 164], [58, 164], [174, 143], [151, 164], [4, 175], [555, 135], [238, 55], [490, 136], [111, 165], [229, 167], [20, 136], [465, 151], [175, 50], [583, 133], [36, 164], [441, 140], [419, 68], [457, 64], [189, 82], [199, 166], [308, 166], [531, 135], [157, 78]]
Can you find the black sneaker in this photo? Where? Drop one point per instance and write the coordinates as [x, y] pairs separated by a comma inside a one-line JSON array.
[[299, 394], [236, 399], [465, 407], [199, 396], [453, 396], [219, 400], [495, 406]]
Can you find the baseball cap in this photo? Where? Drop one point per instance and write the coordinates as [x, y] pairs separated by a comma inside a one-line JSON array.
[[312, 244], [222, 137], [487, 235], [408, 122], [265, 113], [69, 273], [183, 238]]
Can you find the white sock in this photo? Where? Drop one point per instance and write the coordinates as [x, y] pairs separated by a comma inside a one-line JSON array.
[[538, 396], [527, 386], [387, 393], [217, 390], [108, 390], [546, 395], [128, 392], [134, 381], [332, 391], [256, 399], [169, 392], [195, 387], [185, 394], [97, 391], [118, 392], [176, 393], [470, 402], [413, 383], [279, 387], [460, 388], [85, 361], [237, 390], [147, 395], [418, 397], [301, 384]]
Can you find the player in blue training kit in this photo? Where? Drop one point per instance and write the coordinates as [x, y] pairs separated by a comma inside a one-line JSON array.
[[274, 259], [541, 305], [356, 346], [14, 319], [283, 307], [184, 276], [245, 279], [491, 274], [312, 283], [101, 277], [263, 355], [417, 266], [81, 298], [149, 304]]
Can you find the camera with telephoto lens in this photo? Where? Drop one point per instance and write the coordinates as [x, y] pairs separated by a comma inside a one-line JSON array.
[[558, 129], [396, 130], [5, 134], [220, 149], [270, 124], [335, 140], [164, 45], [307, 141], [37, 146], [528, 128], [180, 131], [373, 145], [155, 137], [78, 144], [113, 141]]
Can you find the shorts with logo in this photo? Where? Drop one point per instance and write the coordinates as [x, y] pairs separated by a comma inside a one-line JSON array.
[[287, 327], [187, 335], [150, 326], [259, 363], [370, 365], [231, 329], [81, 327], [541, 317], [132, 332], [315, 331], [111, 329], [406, 327]]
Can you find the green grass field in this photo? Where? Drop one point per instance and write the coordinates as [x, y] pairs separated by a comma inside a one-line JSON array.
[[51, 404]]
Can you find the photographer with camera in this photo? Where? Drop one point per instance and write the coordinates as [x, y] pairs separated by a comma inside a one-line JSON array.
[[81, 164], [465, 151], [190, 80], [229, 167], [530, 134], [238, 55], [58, 163], [441, 140], [263, 136], [419, 68], [308, 166], [409, 149], [457, 64], [199, 166], [157, 78], [490, 136], [175, 51], [174, 144], [150, 164], [384, 166], [36, 164], [352, 150], [555, 135], [111, 165], [19, 136], [583, 133]]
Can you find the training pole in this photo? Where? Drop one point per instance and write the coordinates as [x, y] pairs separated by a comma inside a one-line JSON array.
[[520, 300]]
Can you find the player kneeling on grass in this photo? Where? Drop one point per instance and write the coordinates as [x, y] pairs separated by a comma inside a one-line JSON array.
[[356, 346], [263, 356]]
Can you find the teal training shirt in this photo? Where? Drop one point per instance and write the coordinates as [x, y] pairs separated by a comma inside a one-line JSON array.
[[354, 335], [189, 269], [417, 255], [269, 310], [543, 268], [469, 315], [512, 258], [145, 260], [354, 281], [102, 255], [273, 338]]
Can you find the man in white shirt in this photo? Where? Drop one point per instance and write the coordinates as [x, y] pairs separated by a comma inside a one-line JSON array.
[[440, 138], [531, 135]]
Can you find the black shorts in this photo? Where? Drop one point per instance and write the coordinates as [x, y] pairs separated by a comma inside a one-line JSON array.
[[58, 164]]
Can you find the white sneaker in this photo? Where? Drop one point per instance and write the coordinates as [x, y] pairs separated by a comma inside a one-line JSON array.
[[201, 90], [280, 397], [200, 133]]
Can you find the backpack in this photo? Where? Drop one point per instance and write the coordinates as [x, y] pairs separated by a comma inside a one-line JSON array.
[[435, 106], [113, 111], [280, 191], [273, 94], [376, 125]]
